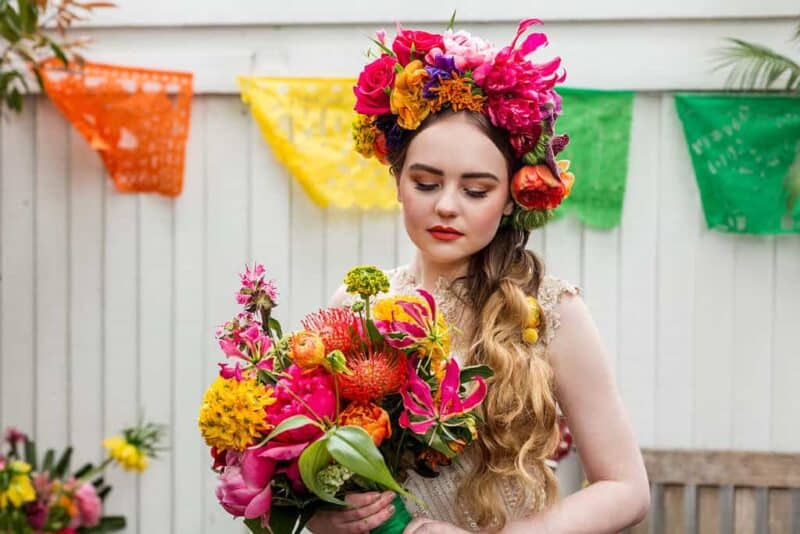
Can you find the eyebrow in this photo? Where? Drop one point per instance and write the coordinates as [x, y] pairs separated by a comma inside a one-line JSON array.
[[439, 172]]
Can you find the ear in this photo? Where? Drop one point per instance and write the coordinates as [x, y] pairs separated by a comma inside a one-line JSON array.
[[509, 207]]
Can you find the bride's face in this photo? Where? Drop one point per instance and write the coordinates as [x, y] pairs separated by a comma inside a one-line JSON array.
[[454, 188]]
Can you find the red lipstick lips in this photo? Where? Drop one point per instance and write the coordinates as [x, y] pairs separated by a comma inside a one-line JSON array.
[[444, 233]]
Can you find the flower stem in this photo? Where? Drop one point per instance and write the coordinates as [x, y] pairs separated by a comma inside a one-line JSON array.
[[307, 407], [96, 471]]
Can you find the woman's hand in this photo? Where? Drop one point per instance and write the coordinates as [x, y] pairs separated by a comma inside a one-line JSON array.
[[421, 525], [365, 512]]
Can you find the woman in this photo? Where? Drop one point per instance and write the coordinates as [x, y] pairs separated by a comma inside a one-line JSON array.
[[475, 173]]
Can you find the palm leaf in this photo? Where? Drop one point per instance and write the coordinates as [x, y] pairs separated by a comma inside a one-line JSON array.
[[754, 66]]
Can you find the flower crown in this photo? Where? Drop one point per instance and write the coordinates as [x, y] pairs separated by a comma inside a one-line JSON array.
[[423, 73]]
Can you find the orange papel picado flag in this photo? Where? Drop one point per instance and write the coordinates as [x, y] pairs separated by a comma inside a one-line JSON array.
[[136, 119]]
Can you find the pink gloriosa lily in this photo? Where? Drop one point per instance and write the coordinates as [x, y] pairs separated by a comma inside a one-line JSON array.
[[418, 399], [424, 331]]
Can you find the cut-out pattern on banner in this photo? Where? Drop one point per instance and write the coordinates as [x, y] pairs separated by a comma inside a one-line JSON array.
[[599, 125], [742, 147], [307, 122], [136, 119]]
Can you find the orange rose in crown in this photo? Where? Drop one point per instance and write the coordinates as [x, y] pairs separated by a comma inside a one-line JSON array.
[[535, 187]]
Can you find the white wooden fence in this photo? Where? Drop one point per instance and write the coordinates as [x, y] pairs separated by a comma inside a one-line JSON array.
[[108, 302]]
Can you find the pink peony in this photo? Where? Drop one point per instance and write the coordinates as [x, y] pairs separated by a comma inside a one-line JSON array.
[[243, 487], [373, 87], [520, 93], [89, 507], [315, 388], [422, 42], [467, 51]]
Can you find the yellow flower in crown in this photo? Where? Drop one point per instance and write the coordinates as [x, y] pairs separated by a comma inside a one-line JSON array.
[[406, 100], [18, 489], [410, 322]]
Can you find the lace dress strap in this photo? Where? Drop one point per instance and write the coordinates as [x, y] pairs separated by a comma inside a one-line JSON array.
[[551, 289]]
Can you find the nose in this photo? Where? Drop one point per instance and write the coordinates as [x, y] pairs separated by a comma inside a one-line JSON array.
[[447, 204]]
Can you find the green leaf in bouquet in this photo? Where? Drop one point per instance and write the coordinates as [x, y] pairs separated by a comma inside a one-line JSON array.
[[306, 514], [290, 423], [28, 16], [109, 523], [49, 457], [374, 335], [85, 468], [436, 442], [352, 447], [314, 458], [470, 372], [254, 525], [59, 53], [103, 492], [63, 463], [282, 519], [275, 326], [30, 454]]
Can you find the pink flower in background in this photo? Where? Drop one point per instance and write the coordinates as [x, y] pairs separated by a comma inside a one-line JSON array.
[[89, 507], [467, 51], [315, 388], [14, 435]]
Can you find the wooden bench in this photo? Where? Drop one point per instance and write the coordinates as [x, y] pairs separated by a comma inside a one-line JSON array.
[[722, 492]]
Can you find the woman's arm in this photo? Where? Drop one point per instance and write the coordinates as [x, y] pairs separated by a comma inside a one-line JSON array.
[[619, 494]]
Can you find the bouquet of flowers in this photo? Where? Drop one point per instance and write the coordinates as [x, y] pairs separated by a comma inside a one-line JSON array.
[[43, 496], [349, 403]]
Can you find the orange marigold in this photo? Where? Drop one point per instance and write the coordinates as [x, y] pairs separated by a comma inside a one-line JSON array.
[[457, 92]]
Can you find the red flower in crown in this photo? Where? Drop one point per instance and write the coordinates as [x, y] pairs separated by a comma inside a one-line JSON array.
[[414, 42]]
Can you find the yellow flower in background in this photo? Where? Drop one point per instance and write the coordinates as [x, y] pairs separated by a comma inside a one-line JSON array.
[[232, 414], [406, 99], [128, 455], [19, 490]]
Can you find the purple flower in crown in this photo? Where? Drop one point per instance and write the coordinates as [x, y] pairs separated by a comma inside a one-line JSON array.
[[393, 132], [443, 68]]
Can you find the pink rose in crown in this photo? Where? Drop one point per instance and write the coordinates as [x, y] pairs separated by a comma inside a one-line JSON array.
[[467, 51], [374, 84], [421, 42]]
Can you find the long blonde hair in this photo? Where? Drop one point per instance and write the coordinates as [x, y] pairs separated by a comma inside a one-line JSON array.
[[519, 411]]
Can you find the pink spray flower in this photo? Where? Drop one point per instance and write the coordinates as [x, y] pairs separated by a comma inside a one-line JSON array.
[[418, 400], [256, 292]]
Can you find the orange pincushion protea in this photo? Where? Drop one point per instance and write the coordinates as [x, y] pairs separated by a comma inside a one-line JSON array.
[[374, 375], [370, 417], [336, 327]]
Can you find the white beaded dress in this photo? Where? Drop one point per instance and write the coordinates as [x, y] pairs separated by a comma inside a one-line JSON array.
[[439, 493]]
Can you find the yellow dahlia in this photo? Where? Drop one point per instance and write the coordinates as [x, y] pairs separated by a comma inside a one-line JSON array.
[[232, 414], [19, 489]]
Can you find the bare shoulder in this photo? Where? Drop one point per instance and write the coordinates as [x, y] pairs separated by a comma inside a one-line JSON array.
[[339, 297]]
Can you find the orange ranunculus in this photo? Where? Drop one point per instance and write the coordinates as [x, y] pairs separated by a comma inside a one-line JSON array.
[[535, 187], [370, 417], [306, 349], [406, 99]]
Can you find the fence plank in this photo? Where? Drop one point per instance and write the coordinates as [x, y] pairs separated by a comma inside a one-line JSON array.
[[745, 510], [708, 509]]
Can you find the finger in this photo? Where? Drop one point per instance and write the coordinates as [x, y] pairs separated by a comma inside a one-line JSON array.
[[370, 509], [356, 500], [372, 522]]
